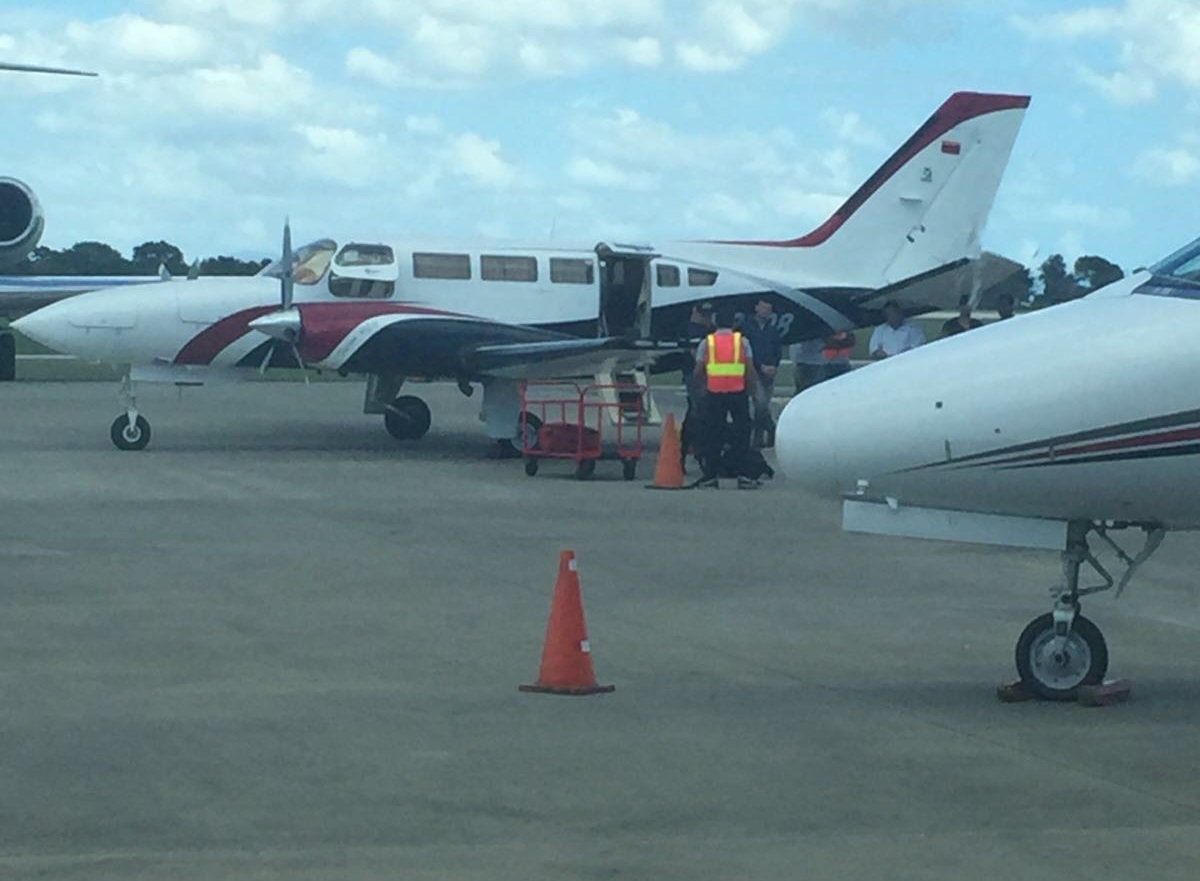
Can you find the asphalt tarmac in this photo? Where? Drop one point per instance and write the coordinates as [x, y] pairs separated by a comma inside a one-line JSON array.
[[278, 645]]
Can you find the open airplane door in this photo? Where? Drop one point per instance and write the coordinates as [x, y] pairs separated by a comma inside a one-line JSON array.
[[625, 290]]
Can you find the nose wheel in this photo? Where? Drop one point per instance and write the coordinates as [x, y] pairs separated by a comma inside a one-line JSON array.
[[1061, 651], [1054, 665], [130, 434], [131, 430]]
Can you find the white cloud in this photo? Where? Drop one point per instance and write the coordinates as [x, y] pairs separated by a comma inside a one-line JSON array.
[[272, 86], [849, 127], [1172, 167], [597, 173], [132, 38], [640, 51], [479, 159], [694, 56], [1157, 41], [1088, 215], [370, 65], [245, 12]]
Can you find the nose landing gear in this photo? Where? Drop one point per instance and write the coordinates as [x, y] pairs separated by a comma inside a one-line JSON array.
[[131, 430], [1061, 651]]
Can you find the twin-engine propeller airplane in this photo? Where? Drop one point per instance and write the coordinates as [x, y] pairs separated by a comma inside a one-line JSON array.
[[1016, 434], [501, 314]]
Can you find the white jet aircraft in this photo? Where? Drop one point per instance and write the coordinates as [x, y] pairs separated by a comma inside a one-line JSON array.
[[21, 218], [1039, 432], [500, 314]]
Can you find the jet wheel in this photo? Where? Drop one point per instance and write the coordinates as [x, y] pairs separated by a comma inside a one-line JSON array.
[[130, 437], [407, 418], [1055, 672]]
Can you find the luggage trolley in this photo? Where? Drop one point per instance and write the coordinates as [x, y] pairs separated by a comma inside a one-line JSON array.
[[561, 419]]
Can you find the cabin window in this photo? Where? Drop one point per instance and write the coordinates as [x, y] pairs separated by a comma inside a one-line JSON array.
[[701, 278], [668, 275], [355, 254], [564, 270], [495, 268], [448, 266]]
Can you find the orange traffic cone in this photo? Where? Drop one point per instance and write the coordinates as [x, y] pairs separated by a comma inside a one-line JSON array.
[[567, 655], [668, 471]]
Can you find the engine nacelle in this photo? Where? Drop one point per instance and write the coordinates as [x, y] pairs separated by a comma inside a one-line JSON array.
[[21, 221]]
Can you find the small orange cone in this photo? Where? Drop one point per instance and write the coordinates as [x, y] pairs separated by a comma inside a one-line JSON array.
[[567, 655], [668, 471]]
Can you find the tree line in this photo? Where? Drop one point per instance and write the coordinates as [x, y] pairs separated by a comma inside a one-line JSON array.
[[1053, 282], [97, 258]]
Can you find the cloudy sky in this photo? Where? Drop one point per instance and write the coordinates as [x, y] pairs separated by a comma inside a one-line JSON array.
[[588, 119]]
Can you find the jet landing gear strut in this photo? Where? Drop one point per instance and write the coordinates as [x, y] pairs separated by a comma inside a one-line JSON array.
[[1061, 650], [129, 431]]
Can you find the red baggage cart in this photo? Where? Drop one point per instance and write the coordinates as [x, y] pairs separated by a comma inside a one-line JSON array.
[[561, 419]]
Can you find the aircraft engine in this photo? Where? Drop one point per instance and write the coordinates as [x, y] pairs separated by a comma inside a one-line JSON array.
[[21, 221]]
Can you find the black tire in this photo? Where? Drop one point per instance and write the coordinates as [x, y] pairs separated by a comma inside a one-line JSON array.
[[531, 466], [629, 468], [407, 418], [127, 437], [531, 425], [585, 469], [1084, 660], [8, 357]]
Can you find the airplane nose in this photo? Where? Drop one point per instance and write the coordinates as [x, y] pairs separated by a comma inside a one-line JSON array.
[[44, 325], [806, 440]]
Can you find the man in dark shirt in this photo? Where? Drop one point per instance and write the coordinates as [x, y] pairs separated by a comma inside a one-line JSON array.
[[963, 321], [767, 347], [700, 325]]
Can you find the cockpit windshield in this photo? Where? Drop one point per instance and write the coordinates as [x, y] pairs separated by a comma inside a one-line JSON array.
[[309, 264], [1183, 264]]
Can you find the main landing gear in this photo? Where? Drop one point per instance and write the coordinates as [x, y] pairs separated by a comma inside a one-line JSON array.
[[130, 431], [407, 418], [1060, 651]]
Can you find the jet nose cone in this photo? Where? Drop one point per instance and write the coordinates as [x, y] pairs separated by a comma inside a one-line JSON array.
[[43, 326], [806, 440]]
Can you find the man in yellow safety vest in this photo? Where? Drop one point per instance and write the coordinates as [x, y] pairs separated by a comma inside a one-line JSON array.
[[724, 363]]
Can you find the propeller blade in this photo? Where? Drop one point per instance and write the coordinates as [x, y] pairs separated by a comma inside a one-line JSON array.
[[300, 361], [285, 280], [266, 362]]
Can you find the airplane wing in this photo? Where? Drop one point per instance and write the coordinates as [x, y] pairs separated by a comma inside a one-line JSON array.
[[37, 68], [565, 358], [409, 340]]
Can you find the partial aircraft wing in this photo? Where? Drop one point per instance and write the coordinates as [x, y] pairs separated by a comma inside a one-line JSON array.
[[34, 68], [564, 358]]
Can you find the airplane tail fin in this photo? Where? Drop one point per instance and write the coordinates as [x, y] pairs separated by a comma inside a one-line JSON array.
[[923, 208]]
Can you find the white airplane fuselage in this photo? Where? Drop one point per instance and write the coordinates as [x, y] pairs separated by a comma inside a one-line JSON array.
[[1088, 411]]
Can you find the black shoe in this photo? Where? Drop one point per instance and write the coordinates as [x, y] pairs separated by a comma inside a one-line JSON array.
[[705, 483]]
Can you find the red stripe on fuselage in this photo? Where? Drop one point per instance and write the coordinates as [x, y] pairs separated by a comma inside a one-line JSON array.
[[1152, 439], [325, 326], [958, 108]]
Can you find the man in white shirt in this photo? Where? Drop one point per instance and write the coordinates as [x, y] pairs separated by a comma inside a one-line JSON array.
[[896, 336]]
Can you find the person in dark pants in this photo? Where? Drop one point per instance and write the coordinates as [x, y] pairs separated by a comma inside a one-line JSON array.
[[700, 325], [763, 337], [725, 368]]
